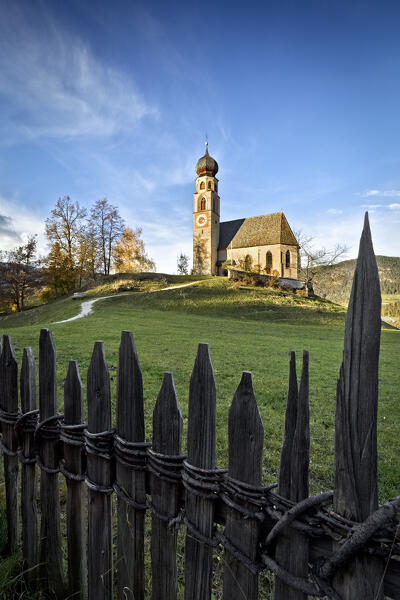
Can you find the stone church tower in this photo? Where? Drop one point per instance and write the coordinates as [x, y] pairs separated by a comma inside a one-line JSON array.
[[265, 244], [206, 215]]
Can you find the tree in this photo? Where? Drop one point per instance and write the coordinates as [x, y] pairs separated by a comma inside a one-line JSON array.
[[87, 259], [313, 260], [183, 264], [108, 226], [19, 274], [65, 225], [60, 275], [129, 254], [200, 255]]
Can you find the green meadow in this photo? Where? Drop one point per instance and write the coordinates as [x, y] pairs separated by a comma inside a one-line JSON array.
[[247, 328]]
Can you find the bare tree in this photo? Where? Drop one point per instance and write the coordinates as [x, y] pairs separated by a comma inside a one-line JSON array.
[[19, 274], [313, 260], [108, 227], [65, 225]]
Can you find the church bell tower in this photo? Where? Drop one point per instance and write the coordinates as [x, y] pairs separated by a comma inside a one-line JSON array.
[[206, 217]]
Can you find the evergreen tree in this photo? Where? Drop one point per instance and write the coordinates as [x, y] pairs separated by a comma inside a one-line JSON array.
[[183, 264]]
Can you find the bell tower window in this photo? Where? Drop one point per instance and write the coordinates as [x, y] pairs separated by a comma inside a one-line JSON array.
[[209, 185], [269, 259], [202, 185], [287, 261], [203, 204]]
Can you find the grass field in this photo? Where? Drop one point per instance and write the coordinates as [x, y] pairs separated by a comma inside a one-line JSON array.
[[247, 329]]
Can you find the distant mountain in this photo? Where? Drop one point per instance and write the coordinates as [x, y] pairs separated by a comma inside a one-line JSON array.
[[335, 281]]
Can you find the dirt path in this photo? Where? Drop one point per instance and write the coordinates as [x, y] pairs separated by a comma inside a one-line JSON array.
[[86, 307]]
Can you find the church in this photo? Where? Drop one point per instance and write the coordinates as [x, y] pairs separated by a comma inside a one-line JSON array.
[[264, 243]]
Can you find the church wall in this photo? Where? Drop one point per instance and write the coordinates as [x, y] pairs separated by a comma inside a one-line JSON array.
[[258, 256]]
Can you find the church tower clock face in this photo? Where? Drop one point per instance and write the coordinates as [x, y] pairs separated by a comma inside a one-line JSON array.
[[201, 220]]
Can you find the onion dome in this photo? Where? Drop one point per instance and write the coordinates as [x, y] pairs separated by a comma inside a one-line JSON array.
[[206, 165]]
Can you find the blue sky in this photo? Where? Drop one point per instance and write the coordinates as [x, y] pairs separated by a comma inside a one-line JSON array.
[[300, 101]]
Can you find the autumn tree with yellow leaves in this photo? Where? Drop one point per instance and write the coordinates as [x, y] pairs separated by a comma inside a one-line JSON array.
[[129, 253]]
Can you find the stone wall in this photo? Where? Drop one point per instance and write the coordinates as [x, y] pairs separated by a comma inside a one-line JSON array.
[[284, 282]]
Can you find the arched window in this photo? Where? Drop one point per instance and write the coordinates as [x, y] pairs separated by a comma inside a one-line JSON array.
[[203, 204], [269, 259], [247, 262], [287, 259], [209, 185], [202, 185]]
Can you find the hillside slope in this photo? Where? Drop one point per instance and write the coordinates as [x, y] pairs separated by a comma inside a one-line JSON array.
[[335, 281], [247, 329]]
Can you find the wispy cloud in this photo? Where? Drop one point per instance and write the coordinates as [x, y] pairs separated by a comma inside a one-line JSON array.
[[347, 230], [334, 211], [8, 235], [393, 206], [58, 88], [16, 229], [383, 193]]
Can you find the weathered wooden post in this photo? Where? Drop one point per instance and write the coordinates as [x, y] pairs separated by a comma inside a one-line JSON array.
[[130, 474], [99, 442], [51, 570], [201, 454], [282, 551], [165, 460], [73, 468], [9, 415], [246, 436], [356, 493], [28, 459]]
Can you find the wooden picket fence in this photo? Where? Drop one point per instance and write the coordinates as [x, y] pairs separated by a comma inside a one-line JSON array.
[[350, 550]]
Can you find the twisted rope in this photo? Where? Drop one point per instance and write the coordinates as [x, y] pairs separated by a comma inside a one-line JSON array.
[[48, 430], [8, 418], [73, 436], [206, 484], [167, 467], [132, 455], [99, 445], [26, 423]]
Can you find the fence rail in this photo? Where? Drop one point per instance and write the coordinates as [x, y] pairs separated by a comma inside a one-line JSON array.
[[349, 550]]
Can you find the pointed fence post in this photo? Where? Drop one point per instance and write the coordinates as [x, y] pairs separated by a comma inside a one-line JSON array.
[[356, 490], [283, 546], [246, 436], [9, 414], [28, 459], [74, 468], [167, 436], [99, 479], [51, 571], [201, 454], [130, 480]]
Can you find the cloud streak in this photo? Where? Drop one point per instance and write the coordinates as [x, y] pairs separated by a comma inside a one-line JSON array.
[[383, 193], [393, 206], [58, 88], [16, 230]]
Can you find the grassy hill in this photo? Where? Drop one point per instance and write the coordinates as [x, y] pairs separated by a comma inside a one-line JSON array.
[[247, 329], [335, 281]]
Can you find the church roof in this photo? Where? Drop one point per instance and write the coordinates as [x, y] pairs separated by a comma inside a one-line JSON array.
[[264, 230]]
